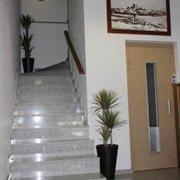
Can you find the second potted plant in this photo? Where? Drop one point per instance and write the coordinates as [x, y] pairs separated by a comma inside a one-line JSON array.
[[25, 41], [104, 105]]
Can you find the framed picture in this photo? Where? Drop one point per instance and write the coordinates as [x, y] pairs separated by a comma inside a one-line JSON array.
[[139, 17]]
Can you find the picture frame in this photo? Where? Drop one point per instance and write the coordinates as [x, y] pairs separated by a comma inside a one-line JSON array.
[[150, 17]]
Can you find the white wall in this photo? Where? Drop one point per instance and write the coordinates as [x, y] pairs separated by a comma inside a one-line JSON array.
[[9, 58], [77, 35], [106, 66], [49, 41]]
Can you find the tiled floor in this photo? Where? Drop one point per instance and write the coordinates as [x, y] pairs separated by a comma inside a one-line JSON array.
[[167, 174]]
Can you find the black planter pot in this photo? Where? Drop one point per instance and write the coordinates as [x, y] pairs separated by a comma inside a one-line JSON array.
[[108, 158], [28, 65]]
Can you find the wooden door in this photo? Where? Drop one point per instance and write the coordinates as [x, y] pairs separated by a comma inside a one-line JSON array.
[[152, 121]]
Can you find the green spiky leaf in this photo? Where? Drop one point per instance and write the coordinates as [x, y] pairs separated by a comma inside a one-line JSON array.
[[26, 21], [104, 100]]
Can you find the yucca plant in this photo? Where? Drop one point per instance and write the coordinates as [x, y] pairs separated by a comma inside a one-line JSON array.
[[26, 45], [104, 100], [105, 104], [26, 41], [110, 120], [104, 131], [26, 22]]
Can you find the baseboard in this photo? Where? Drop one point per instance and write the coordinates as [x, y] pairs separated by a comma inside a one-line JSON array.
[[124, 172]]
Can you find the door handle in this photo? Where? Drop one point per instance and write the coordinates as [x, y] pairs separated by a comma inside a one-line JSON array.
[[169, 106]]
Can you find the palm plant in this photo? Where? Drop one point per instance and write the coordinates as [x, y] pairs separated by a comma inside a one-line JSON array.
[[104, 103]]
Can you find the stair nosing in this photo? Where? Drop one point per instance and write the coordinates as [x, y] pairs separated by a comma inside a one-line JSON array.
[[78, 157], [46, 174], [44, 84], [50, 115], [56, 103], [26, 127], [46, 157], [57, 127], [63, 141], [44, 103], [32, 141]]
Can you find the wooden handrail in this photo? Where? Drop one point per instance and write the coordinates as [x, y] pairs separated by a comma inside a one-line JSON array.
[[74, 54]]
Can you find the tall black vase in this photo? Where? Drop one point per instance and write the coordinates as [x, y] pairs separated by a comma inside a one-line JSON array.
[[28, 65], [108, 159]]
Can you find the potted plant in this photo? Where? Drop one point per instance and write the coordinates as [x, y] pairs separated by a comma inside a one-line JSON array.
[[104, 105], [25, 41]]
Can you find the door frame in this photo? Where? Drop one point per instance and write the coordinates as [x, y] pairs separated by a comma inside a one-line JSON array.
[[176, 117], [176, 93]]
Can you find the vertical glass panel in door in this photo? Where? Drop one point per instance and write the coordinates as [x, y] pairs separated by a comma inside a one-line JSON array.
[[153, 111]]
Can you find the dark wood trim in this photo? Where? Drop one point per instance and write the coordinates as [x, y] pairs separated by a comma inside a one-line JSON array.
[[176, 92], [124, 31], [74, 54]]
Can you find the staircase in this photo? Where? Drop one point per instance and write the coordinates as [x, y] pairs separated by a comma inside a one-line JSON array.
[[48, 136]]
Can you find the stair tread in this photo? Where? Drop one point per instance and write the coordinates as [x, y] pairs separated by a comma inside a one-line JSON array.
[[24, 109], [62, 167], [46, 99], [67, 157], [46, 93], [49, 134], [50, 116], [55, 129], [33, 75], [63, 117], [50, 146], [46, 84], [58, 129], [63, 148], [45, 105], [94, 176], [44, 157]]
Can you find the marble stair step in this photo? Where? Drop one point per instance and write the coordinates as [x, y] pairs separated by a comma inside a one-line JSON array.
[[46, 99], [45, 109], [41, 80], [92, 176], [43, 77], [49, 74], [50, 150], [68, 177], [46, 121], [53, 134], [47, 71], [78, 165], [51, 89], [46, 157]]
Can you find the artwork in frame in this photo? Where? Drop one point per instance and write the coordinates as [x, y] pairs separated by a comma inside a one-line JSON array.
[[139, 17]]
